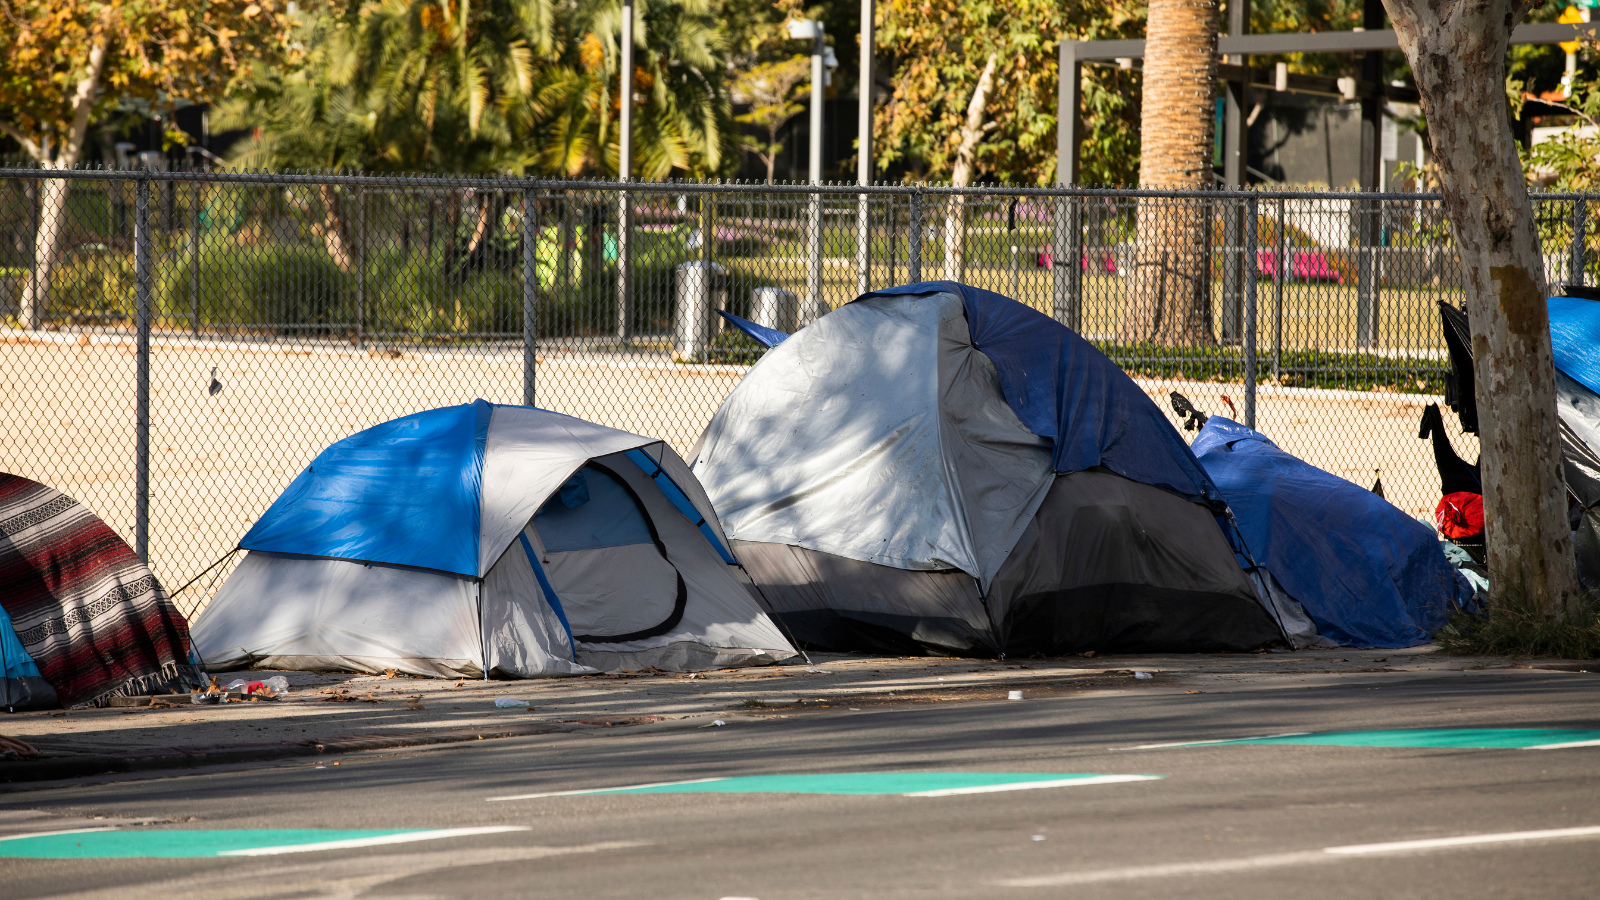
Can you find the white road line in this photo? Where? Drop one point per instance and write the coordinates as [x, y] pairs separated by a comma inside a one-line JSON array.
[[1259, 737], [1466, 840], [34, 834], [625, 787], [406, 838], [1563, 746], [1278, 860], [1170, 870], [1030, 785]]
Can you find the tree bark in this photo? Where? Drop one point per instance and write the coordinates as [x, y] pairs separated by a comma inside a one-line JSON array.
[[971, 132], [1457, 53], [1169, 290], [334, 230], [53, 209]]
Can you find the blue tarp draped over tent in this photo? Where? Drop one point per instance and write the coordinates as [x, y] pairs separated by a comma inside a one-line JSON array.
[[1575, 338], [1064, 389], [405, 492], [1368, 574]]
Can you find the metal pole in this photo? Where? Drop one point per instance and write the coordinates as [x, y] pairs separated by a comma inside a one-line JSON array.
[[1580, 215], [1250, 241], [1232, 285], [530, 283], [1277, 297], [864, 151], [1366, 275], [813, 257], [141, 436], [1067, 124], [361, 266], [814, 209], [624, 172], [194, 266], [914, 241], [817, 90]]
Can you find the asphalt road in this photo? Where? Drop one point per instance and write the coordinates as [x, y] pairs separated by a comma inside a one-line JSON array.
[[1234, 821]]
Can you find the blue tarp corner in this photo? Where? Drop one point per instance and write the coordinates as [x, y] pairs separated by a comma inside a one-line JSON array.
[[761, 334], [406, 492]]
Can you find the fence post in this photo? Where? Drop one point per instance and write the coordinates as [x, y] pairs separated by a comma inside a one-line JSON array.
[[1580, 216], [914, 239], [141, 436], [813, 257], [1066, 261], [863, 246], [624, 261], [1250, 241], [361, 266], [33, 317], [1232, 315], [530, 283], [194, 265], [1282, 268], [1366, 274]]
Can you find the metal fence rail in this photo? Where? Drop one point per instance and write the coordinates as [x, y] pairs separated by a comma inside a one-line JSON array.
[[178, 345]]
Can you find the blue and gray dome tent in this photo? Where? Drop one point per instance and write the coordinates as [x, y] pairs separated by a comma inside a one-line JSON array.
[[937, 468], [486, 538]]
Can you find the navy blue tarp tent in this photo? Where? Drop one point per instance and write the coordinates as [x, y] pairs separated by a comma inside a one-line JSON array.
[[1366, 573]]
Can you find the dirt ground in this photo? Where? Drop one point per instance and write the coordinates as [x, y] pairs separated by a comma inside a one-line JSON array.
[[218, 460]]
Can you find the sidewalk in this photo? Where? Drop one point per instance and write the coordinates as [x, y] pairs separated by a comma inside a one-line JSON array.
[[341, 713]]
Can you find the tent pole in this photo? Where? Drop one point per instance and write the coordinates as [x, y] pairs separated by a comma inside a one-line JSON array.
[[775, 617], [483, 640]]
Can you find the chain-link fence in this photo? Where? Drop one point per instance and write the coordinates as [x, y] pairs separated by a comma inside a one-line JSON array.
[[178, 345]]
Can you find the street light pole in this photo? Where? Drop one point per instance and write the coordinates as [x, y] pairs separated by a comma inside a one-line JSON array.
[[624, 170], [864, 150], [803, 29]]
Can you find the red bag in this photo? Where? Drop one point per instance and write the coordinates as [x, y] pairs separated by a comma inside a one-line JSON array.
[[1459, 515]]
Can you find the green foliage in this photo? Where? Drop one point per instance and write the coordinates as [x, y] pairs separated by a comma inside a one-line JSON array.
[[503, 86], [1327, 370], [771, 89], [1515, 626], [937, 51]]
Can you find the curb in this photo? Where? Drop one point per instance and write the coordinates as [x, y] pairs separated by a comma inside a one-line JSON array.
[[154, 759]]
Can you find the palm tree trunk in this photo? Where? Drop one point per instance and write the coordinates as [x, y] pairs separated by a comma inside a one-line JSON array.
[[1169, 290]]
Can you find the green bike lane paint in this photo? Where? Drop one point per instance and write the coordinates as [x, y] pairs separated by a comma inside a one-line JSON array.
[[903, 784]]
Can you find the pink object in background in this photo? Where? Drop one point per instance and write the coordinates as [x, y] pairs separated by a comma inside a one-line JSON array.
[[1305, 265]]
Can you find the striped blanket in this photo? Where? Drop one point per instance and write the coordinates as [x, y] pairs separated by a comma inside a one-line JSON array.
[[93, 617]]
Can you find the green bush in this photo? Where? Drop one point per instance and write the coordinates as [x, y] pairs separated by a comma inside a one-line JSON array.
[[1515, 626]]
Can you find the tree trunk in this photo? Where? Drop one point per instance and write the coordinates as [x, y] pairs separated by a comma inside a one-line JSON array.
[[334, 236], [1169, 290], [53, 209], [1457, 54], [955, 217]]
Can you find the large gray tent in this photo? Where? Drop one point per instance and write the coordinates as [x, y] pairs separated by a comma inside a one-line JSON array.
[[940, 469]]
